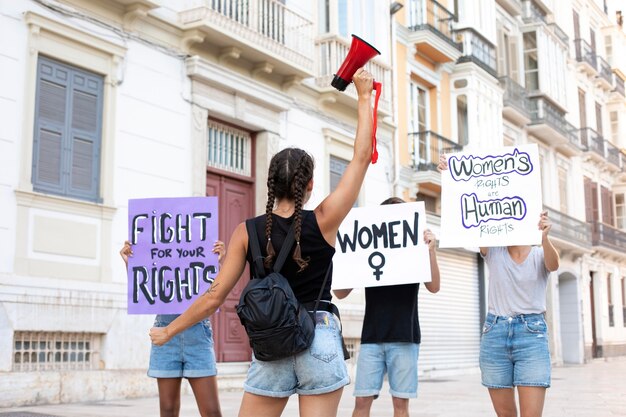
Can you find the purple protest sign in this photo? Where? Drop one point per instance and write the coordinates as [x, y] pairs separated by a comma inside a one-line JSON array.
[[172, 262]]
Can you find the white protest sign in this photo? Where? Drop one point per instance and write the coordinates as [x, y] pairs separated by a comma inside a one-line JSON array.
[[381, 245], [491, 198]]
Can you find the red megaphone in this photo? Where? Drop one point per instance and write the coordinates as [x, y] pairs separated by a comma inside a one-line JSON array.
[[360, 52]]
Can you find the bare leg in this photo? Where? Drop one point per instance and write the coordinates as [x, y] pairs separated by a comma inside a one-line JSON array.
[[205, 391], [323, 405], [400, 407], [169, 396], [531, 400], [253, 405], [362, 406], [503, 400]]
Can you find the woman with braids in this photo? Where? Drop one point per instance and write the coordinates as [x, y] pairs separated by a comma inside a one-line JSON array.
[[319, 373]]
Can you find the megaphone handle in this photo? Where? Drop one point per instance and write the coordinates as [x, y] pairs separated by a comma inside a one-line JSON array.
[[378, 87]]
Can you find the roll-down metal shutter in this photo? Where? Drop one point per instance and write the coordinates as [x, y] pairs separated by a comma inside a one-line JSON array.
[[450, 319]]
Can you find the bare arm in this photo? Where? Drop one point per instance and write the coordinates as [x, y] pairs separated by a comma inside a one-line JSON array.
[[342, 293], [331, 212], [434, 284], [207, 303], [550, 255]]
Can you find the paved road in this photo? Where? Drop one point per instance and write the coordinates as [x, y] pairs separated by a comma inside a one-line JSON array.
[[597, 389]]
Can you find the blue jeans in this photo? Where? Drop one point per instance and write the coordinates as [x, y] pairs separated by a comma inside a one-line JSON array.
[[318, 370], [398, 360], [514, 351], [189, 354]]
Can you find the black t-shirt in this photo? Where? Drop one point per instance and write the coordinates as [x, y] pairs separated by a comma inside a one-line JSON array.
[[391, 314], [306, 284]]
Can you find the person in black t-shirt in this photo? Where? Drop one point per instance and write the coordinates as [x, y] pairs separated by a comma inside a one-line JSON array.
[[390, 338]]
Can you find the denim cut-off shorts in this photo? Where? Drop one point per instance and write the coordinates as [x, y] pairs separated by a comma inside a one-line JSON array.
[[514, 351], [318, 370], [398, 360], [189, 354]]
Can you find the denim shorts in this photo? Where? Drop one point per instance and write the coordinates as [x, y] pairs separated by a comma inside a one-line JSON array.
[[189, 354], [514, 351], [398, 360], [318, 370]]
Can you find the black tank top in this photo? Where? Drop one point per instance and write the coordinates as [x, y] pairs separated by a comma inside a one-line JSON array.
[[306, 284]]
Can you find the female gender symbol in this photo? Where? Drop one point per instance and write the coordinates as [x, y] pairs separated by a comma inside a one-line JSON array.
[[377, 272]]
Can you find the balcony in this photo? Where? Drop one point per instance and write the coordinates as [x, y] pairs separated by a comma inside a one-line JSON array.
[[331, 51], [605, 75], [271, 36], [571, 233], [548, 123], [613, 155], [477, 49], [515, 101], [425, 148], [608, 237], [430, 26], [586, 57], [618, 87], [513, 7]]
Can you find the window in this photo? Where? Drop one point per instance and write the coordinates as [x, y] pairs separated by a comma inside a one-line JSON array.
[[614, 126], [599, 118], [623, 288], [418, 115], [610, 299], [430, 202], [608, 46], [562, 189], [230, 149], [67, 133], [462, 120], [620, 211], [531, 63], [507, 55], [40, 351]]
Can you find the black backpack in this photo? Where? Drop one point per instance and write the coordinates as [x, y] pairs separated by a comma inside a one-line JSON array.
[[277, 325]]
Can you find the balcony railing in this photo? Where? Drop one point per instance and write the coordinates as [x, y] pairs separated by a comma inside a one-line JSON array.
[[604, 70], [331, 51], [592, 140], [427, 146], [608, 236], [568, 228], [430, 15], [532, 14], [515, 96], [584, 53], [560, 33], [477, 49], [619, 85], [542, 111], [268, 24], [612, 154]]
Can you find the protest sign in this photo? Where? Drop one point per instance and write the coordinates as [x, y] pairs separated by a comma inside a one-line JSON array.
[[381, 245], [172, 263], [491, 198]]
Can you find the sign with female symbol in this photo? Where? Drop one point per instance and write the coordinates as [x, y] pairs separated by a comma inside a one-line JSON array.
[[381, 245]]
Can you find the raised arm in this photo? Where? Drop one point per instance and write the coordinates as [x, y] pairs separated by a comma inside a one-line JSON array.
[[434, 284], [550, 255], [207, 303], [331, 212]]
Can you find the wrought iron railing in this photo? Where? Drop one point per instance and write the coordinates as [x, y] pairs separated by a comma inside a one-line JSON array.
[[568, 228], [560, 33], [612, 154], [266, 23], [430, 15], [542, 111], [515, 95], [532, 14], [619, 85], [584, 53], [604, 70], [478, 49], [608, 236], [592, 140], [427, 146]]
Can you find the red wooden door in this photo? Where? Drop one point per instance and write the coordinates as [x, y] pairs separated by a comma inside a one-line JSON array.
[[236, 203]]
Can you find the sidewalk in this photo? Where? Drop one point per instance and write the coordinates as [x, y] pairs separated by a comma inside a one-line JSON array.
[[597, 389]]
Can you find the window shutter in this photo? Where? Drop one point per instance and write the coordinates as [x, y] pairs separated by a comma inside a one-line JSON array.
[[68, 122], [86, 119], [50, 115]]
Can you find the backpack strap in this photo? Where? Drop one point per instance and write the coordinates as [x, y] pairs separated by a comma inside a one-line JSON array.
[[253, 242], [285, 249]]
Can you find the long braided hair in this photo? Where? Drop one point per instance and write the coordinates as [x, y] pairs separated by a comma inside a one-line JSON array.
[[289, 173]]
